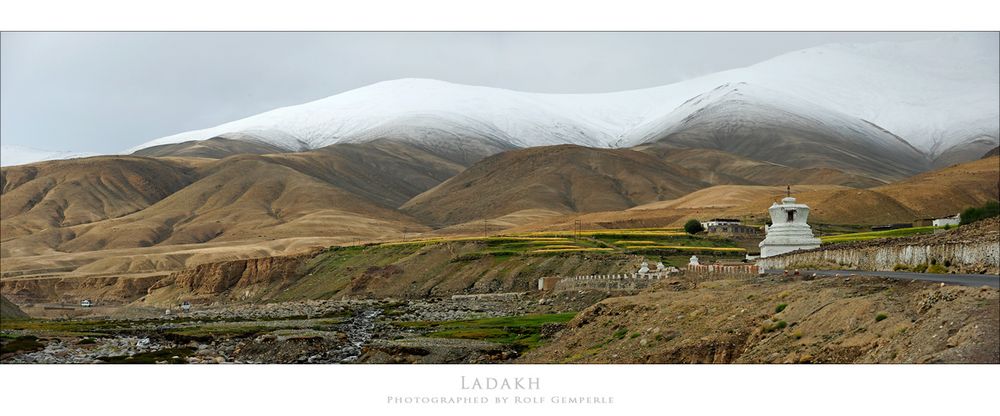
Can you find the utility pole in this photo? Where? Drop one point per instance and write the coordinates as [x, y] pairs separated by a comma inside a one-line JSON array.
[[404, 233], [577, 225], [484, 227]]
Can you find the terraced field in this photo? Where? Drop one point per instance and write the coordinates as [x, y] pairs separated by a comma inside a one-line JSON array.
[[641, 241], [872, 235]]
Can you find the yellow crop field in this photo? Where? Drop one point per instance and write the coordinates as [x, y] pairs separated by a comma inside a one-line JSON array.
[[687, 248], [456, 239], [591, 233], [568, 250]]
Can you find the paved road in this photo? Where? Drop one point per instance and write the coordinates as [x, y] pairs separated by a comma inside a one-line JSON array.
[[976, 280]]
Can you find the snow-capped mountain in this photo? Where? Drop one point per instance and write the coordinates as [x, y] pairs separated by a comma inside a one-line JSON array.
[[767, 125], [933, 94], [11, 155]]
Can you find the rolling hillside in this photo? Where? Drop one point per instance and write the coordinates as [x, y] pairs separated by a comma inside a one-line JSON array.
[[79, 191], [560, 178], [938, 193]]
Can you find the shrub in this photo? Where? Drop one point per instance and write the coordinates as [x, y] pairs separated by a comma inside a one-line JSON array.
[[880, 317], [693, 227], [920, 268], [780, 307], [900, 267], [620, 333], [947, 226], [973, 214], [937, 268], [776, 326]]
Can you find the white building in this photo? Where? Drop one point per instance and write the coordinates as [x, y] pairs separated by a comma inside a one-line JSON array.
[[715, 222], [941, 222], [789, 230]]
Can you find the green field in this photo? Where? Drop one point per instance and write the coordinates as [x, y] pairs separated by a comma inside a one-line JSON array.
[[871, 235]]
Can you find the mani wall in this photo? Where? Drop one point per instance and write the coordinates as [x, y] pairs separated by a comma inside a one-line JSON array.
[[965, 257]]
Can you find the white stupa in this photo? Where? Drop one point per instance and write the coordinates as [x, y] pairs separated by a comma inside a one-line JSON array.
[[789, 230]]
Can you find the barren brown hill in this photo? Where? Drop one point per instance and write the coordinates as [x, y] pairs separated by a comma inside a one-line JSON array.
[[388, 173], [718, 167], [932, 194], [215, 148], [562, 178], [238, 198], [65, 193]]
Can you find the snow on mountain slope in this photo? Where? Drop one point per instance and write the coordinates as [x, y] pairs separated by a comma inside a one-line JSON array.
[[405, 107], [11, 155], [767, 125], [934, 94]]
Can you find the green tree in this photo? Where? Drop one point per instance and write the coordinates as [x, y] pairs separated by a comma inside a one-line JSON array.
[[693, 227]]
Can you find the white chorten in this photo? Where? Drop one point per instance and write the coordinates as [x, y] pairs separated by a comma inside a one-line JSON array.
[[789, 230]]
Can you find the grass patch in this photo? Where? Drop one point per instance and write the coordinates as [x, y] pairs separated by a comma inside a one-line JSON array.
[[152, 357], [68, 327], [522, 332], [880, 317], [780, 307], [25, 343]]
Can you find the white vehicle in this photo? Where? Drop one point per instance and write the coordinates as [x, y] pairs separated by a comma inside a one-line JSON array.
[[186, 306], [86, 303]]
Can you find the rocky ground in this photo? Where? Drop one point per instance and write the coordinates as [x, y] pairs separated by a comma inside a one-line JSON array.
[[778, 319], [324, 331]]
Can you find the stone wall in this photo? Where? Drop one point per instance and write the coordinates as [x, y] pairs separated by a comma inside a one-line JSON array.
[[724, 269], [487, 296], [602, 284], [621, 281], [964, 257]]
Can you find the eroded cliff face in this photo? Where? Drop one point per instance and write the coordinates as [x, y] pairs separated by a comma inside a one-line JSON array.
[[102, 289], [228, 280], [220, 281], [973, 248]]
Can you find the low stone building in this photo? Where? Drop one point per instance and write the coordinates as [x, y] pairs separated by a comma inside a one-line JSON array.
[[952, 221], [734, 230]]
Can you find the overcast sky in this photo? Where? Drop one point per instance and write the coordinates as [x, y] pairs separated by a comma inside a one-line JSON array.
[[106, 92]]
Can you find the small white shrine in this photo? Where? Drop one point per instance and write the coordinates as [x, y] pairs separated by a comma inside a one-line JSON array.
[[789, 230]]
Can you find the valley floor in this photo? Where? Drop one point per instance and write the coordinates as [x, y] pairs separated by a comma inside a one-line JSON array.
[[767, 319]]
